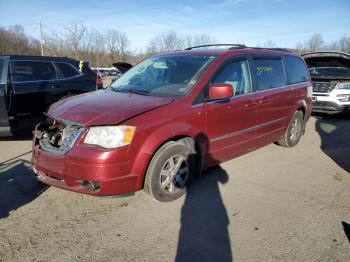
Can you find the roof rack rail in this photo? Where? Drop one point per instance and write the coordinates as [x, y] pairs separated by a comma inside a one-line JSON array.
[[233, 46], [271, 48]]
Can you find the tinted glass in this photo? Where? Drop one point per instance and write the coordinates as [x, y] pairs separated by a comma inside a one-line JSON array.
[[164, 75], [296, 70], [1, 72], [330, 71], [67, 70], [269, 74], [22, 71], [236, 74]]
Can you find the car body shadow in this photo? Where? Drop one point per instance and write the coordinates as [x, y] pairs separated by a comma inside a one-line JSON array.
[[19, 137], [204, 234], [18, 185], [334, 131]]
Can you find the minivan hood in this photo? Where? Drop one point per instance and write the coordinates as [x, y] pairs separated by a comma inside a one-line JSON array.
[[104, 107], [327, 59]]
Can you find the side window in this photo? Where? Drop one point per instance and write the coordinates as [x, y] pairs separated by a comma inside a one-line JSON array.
[[67, 70], [269, 73], [235, 73], [22, 71], [296, 70]]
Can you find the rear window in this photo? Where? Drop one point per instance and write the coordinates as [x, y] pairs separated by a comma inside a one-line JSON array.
[[296, 70], [22, 71], [269, 73], [67, 70]]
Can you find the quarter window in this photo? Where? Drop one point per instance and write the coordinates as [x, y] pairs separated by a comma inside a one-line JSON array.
[[22, 71], [269, 73], [296, 70], [67, 70], [235, 73]]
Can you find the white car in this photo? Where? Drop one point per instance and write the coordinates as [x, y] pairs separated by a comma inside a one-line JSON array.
[[330, 75]]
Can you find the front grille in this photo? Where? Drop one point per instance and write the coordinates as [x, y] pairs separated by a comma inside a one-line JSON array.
[[58, 137], [323, 87]]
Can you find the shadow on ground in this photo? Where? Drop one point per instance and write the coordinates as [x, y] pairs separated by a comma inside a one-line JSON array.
[[18, 185], [334, 131], [204, 232], [346, 228]]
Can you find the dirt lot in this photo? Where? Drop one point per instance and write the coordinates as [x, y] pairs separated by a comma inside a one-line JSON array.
[[274, 204]]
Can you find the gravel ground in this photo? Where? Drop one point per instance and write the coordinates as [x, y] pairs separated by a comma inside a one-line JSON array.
[[274, 204]]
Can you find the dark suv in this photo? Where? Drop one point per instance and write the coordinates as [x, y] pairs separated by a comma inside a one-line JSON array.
[[30, 84], [170, 117]]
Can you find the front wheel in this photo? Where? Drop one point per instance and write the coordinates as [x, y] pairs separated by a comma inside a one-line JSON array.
[[294, 131], [170, 172]]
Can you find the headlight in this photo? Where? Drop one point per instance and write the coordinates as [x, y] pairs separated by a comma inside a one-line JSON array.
[[110, 136], [344, 85]]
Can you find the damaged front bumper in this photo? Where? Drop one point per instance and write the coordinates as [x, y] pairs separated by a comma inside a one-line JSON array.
[[60, 159]]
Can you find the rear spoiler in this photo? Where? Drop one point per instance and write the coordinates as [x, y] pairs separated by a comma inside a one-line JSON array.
[[122, 66]]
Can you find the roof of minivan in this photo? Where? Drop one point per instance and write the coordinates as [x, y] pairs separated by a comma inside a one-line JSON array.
[[238, 51]]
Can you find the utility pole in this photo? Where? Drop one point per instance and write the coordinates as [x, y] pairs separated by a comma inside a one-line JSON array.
[[41, 39]]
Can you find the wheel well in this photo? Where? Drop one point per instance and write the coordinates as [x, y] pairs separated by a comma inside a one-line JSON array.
[[302, 109], [177, 138]]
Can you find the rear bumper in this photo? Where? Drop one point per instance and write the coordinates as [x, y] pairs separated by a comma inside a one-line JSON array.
[[330, 103], [62, 172]]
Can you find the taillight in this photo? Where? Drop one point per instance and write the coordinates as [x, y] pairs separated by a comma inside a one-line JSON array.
[[99, 81]]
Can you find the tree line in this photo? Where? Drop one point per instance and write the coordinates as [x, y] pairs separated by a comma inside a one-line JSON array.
[[103, 48]]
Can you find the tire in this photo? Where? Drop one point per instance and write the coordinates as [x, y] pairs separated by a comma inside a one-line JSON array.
[[170, 171], [294, 131]]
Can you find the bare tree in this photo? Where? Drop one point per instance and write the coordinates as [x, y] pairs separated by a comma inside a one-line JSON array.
[[269, 44], [344, 44], [316, 42], [98, 46], [169, 41], [201, 39], [15, 41], [166, 42], [116, 44], [54, 44], [74, 35]]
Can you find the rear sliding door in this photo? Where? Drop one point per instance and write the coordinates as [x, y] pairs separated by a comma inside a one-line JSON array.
[[33, 83]]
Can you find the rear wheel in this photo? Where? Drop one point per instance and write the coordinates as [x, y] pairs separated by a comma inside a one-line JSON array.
[[294, 131], [170, 172]]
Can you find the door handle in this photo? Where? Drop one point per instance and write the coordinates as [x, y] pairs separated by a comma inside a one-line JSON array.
[[264, 100], [250, 105], [54, 86]]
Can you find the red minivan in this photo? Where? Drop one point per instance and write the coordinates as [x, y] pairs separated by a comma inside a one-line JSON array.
[[170, 117]]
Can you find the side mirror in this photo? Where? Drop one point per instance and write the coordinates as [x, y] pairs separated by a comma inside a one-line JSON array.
[[220, 91]]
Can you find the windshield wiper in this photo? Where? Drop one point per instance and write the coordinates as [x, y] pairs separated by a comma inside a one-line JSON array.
[[139, 92]]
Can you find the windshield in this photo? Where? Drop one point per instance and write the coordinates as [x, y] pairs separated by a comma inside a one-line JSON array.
[[172, 76], [330, 71]]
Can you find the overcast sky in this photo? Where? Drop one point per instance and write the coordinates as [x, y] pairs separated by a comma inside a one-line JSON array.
[[250, 22]]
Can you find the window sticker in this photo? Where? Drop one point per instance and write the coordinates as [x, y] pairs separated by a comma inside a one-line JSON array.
[[263, 69]]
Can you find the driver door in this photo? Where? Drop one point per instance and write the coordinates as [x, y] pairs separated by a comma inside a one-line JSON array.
[[230, 122]]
